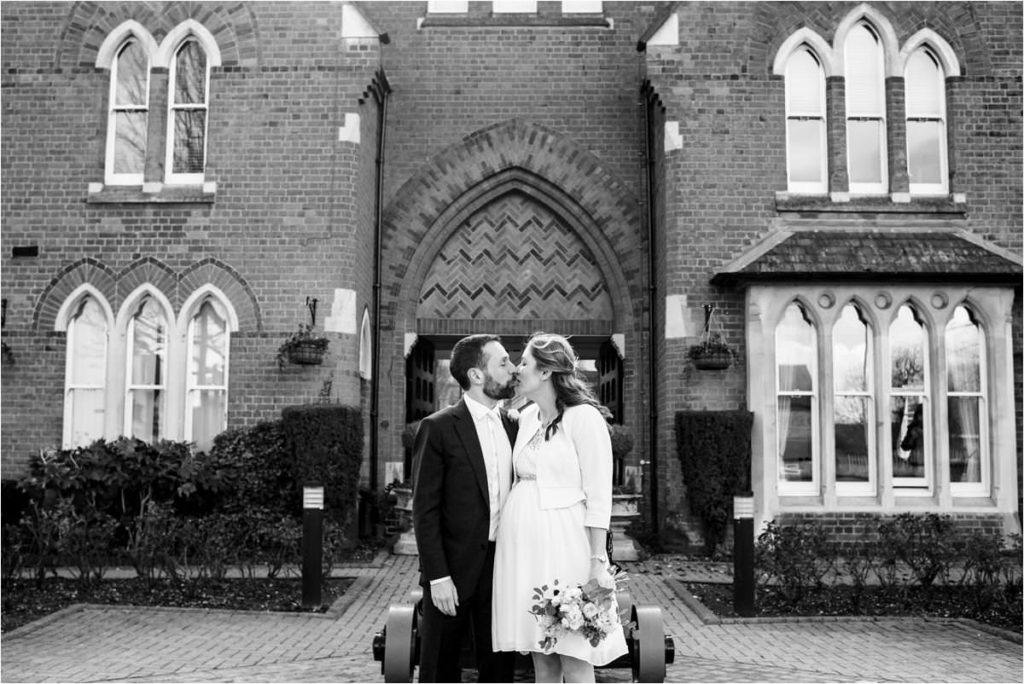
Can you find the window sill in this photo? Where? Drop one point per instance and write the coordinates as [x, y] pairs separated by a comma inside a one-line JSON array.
[[896, 203], [152, 193], [513, 20]]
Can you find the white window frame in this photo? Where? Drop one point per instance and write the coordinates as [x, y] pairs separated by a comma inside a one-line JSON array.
[[113, 109], [869, 488], [65, 322], [165, 428], [804, 187], [514, 7], [942, 187], [447, 6], [982, 488], [912, 486], [186, 178], [812, 486], [190, 387], [582, 6], [855, 113]]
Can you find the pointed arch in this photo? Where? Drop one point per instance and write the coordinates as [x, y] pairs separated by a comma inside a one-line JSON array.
[[112, 43], [195, 300], [152, 272], [940, 48], [818, 46], [878, 23], [176, 36], [61, 287], [74, 299], [132, 301]]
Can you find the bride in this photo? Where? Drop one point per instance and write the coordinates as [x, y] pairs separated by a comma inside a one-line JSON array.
[[554, 524]]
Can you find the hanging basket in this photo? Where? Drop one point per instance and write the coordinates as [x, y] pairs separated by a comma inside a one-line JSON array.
[[713, 360], [306, 353]]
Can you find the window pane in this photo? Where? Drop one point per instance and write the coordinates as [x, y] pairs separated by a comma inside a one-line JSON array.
[[864, 81], [148, 345], [448, 6], [963, 353], [795, 351], [208, 410], [924, 85], [189, 133], [89, 356], [190, 75], [805, 145], [132, 76], [907, 344], [795, 435], [964, 439], [527, 6], [804, 85], [87, 410], [581, 6], [850, 352], [145, 414], [864, 144], [908, 436], [130, 144], [209, 347], [851, 439], [924, 151]]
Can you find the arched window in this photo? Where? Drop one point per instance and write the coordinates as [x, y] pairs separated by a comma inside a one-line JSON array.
[[186, 126], [805, 123], [853, 407], [926, 123], [85, 381], [207, 380], [796, 374], [128, 118], [146, 378], [966, 402], [909, 417], [865, 111], [365, 347]]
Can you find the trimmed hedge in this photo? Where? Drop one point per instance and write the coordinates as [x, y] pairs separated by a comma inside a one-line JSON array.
[[326, 444], [714, 451]]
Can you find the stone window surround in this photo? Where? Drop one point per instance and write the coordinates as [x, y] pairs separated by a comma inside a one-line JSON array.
[[764, 306]]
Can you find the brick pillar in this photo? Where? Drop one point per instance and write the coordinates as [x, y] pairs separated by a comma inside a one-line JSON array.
[[896, 134], [953, 100], [835, 94], [156, 133]]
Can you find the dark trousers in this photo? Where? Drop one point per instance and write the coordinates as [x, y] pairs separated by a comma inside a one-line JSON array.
[[442, 636]]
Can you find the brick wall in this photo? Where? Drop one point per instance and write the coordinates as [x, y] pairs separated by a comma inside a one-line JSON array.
[[851, 529]]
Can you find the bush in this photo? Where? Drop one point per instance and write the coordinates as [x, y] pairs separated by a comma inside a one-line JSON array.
[[255, 469], [714, 451], [925, 543], [798, 557]]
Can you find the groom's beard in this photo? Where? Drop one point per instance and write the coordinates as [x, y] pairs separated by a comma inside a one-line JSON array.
[[495, 391]]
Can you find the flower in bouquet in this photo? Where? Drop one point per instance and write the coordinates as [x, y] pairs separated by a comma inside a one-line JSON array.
[[589, 610]]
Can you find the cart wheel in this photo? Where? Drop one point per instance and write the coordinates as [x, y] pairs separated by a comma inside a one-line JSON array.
[[400, 643], [648, 644]]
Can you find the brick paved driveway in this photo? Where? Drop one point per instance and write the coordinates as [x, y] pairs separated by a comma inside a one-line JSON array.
[[97, 643]]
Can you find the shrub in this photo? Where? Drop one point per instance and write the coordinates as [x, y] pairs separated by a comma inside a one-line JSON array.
[[714, 451], [925, 543], [798, 557], [255, 470]]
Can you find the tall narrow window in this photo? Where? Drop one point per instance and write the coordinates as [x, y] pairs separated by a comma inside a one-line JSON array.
[[514, 6], [926, 123], [805, 123], [129, 116], [853, 417], [147, 363], [965, 377], [865, 111], [207, 381], [909, 417], [189, 84], [796, 372], [86, 375]]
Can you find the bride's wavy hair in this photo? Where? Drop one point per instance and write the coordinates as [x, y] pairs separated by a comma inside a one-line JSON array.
[[554, 353]]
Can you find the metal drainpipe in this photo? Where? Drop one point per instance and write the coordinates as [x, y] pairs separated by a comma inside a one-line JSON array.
[[652, 292], [382, 90]]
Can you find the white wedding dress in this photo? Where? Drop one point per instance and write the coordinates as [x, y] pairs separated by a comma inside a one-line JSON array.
[[534, 547]]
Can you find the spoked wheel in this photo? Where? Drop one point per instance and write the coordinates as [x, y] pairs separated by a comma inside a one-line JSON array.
[[400, 643], [648, 644]]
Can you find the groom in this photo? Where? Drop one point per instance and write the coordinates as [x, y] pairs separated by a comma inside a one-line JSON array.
[[462, 474]]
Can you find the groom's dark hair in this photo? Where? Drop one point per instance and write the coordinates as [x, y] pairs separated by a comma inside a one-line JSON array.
[[469, 353]]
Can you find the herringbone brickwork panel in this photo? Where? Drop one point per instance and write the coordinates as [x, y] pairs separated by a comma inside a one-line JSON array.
[[514, 259]]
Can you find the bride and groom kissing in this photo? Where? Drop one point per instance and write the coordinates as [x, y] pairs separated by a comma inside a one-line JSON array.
[[501, 506]]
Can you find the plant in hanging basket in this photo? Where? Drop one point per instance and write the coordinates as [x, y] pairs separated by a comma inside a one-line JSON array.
[[711, 353], [304, 348]]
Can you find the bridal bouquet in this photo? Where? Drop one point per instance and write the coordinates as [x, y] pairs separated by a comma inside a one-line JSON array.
[[586, 609]]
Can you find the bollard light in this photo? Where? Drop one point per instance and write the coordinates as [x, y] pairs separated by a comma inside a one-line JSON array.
[[312, 546], [743, 554]]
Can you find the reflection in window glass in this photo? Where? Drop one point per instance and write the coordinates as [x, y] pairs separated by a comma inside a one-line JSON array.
[[805, 122], [147, 362], [852, 415], [87, 374], [189, 110], [129, 109], [926, 127], [865, 110], [865, 150], [207, 378], [924, 151], [909, 422], [795, 353], [964, 345]]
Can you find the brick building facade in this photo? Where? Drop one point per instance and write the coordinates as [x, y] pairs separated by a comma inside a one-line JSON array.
[[427, 170]]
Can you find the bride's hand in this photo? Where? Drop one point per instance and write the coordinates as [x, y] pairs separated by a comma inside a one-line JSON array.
[[599, 571]]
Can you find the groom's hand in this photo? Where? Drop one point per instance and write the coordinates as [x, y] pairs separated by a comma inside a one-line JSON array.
[[445, 596]]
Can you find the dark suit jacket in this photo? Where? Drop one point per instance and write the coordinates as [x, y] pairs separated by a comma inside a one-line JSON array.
[[450, 509]]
